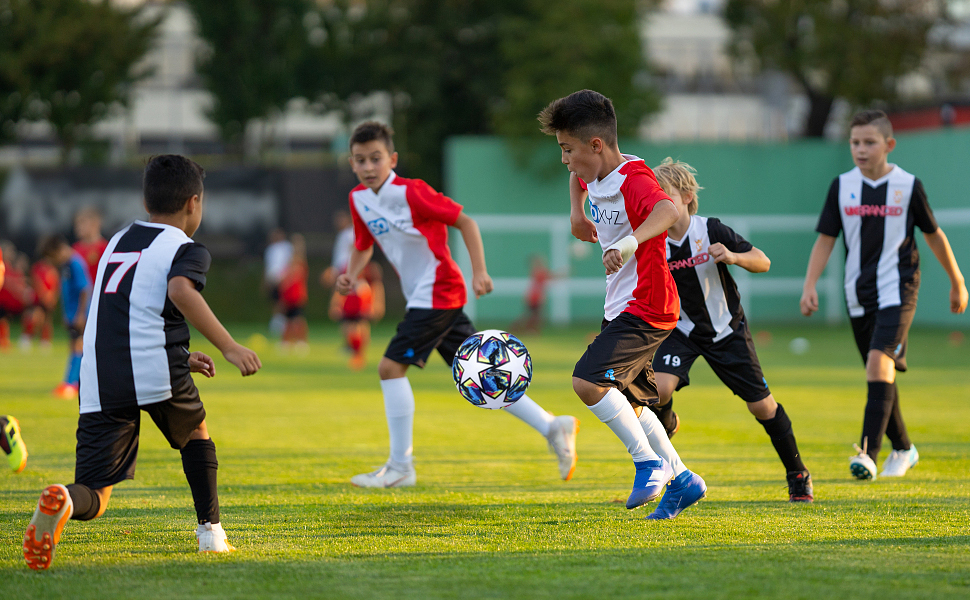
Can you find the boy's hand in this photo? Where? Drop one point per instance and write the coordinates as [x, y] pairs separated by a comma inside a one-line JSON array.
[[202, 363], [345, 285], [809, 302], [583, 229], [81, 320], [245, 359], [720, 254], [612, 261], [481, 284], [958, 298]]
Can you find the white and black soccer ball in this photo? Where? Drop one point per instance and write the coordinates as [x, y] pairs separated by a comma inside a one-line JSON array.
[[492, 369]]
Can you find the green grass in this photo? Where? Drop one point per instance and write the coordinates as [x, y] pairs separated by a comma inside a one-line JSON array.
[[489, 517]]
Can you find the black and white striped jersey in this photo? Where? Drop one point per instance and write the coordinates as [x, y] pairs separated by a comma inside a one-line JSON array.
[[136, 342], [877, 219], [710, 306]]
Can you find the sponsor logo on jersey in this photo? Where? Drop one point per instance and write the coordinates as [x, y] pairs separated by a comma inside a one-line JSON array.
[[686, 263], [872, 210], [378, 226], [699, 243], [605, 216], [898, 196]]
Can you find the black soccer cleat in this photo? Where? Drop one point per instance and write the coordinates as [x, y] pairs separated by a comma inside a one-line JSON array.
[[800, 487]]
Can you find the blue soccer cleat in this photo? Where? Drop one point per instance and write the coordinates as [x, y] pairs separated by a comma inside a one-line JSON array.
[[651, 477], [683, 491]]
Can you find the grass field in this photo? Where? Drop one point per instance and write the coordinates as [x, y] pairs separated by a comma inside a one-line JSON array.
[[489, 517]]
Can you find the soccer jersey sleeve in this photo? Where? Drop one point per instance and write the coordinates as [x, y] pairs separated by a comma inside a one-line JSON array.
[[431, 205], [829, 222], [191, 261], [920, 206], [362, 236], [643, 194], [719, 232]]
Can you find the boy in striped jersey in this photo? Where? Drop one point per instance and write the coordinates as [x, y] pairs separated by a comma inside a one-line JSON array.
[[136, 358], [712, 323], [876, 206]]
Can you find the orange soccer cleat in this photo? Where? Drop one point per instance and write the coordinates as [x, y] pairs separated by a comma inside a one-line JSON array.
[[54, 508]]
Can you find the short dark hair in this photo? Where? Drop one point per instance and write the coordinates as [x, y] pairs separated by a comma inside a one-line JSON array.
[[49, 245], [876, 118], [584, 114], [369, 131], [169, 181]]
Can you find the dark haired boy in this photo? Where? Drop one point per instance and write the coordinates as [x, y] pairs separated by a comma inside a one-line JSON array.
[[876, 206], [410, 221], [75, 297], [137, 358], [631, 215]]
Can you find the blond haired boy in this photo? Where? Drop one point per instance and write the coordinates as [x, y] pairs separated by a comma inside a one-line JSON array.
[[712, 323]]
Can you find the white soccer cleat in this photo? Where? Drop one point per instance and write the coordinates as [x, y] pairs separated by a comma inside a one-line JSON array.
[[899, 462], [212, 538], [861, 465], [385, 477], [562, 443]]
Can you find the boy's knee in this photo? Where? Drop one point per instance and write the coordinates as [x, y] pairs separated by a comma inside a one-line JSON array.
[[666, 385], [763, 409], [390, 369], [588, 392]]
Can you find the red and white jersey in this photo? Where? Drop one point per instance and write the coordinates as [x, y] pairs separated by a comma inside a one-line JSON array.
[[409, 220], [618, 204]]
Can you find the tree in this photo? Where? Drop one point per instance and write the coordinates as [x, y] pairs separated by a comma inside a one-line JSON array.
[[851, 49], [460, 67], [252, 67], [68, 62]]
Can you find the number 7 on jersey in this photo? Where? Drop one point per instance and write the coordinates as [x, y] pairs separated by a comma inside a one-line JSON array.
[[127, 260]]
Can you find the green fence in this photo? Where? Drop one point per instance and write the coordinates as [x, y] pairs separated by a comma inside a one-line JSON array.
[[771, 193]]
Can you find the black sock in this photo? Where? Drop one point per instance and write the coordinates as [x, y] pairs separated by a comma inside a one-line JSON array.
[[779, 430], [879, 408], [86, 502], [200, 466], [665, 413], [896, 428]]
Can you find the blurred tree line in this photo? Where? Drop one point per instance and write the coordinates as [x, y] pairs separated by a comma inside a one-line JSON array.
[[452, 67]]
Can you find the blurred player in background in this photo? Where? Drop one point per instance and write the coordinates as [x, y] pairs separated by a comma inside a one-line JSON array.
[[17, 296], [276, 259], [76, 288], [365, 303], [410, 221], [90, 243], [877, 206], [11, 442], [46, 283], [294, 295], [535, 297], [631, 214], [712, 323]]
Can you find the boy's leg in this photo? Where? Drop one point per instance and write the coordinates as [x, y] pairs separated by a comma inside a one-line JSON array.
[[107, 446], [896, 427], [617, 357], [672, 363], [666, 386]]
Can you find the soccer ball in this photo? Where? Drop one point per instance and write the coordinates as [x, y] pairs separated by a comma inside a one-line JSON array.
[[492, 369]]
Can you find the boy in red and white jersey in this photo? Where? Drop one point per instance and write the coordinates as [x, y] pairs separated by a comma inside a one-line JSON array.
[[630, 218], [410, 221]]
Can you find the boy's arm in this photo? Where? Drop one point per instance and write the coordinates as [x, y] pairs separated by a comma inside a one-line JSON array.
[[754, 260], [347, 281], [940, 246], [481, 281], [582, 228], [662, 217], [81, 318], [821, 252], [196, 310]]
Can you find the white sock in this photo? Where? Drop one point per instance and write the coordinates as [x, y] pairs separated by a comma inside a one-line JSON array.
[[399, 408], [657, 436], [616, 412], [526, 409]]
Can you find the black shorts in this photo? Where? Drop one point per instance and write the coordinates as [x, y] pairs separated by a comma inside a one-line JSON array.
[[107, 442], [886, 330], [621, 356], [732, 359], [423, 330]]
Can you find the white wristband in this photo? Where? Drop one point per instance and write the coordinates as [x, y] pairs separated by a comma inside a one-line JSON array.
[[626, 247]]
